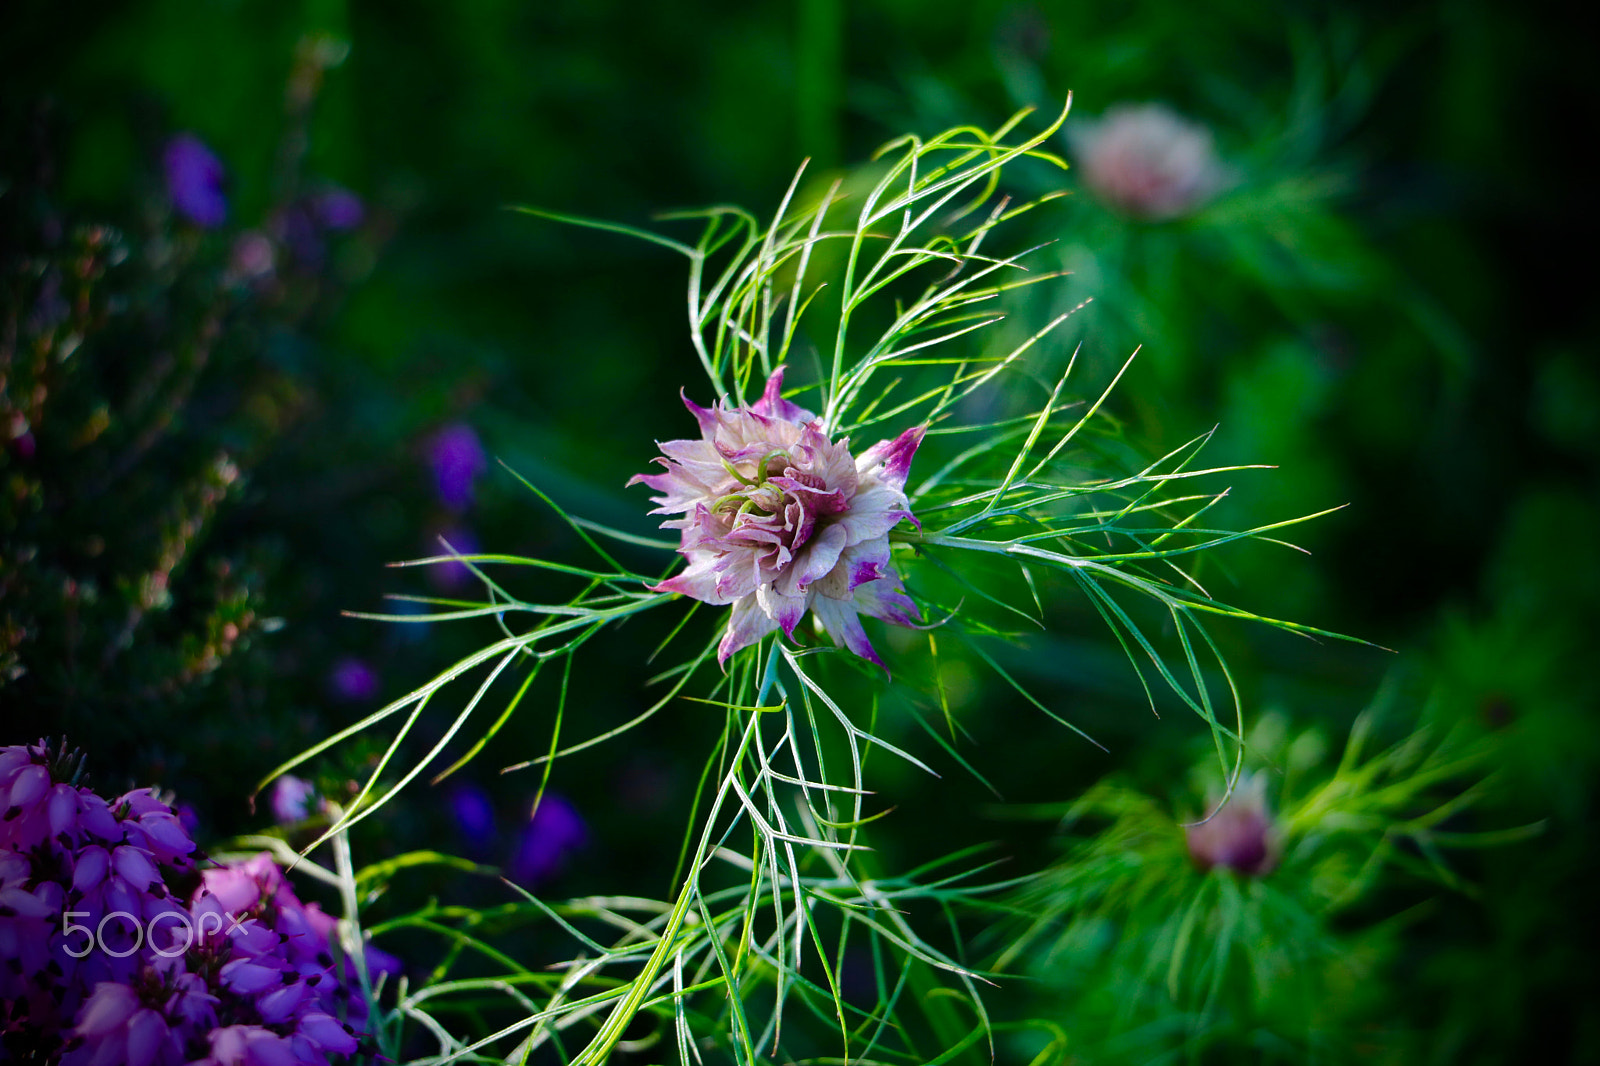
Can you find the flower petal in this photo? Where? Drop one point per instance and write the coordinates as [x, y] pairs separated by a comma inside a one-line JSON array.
[[894, 457], [839, 618], [773, 405], [747, 623], [886, 599]]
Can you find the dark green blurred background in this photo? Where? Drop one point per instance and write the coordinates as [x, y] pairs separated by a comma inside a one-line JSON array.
[[1393, 305]]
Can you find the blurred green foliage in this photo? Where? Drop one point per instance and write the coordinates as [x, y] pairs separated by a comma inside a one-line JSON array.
[[1385, 302]]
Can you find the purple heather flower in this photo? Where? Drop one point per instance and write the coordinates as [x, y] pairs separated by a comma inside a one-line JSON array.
[[338, 209], [554, 829], [778, 519], [291, 799], [473, 814], [1240, 837], [194, 181], [1149, 162], [147, 987], [115, 1026], [353, 680], [248, 1045], [457, 458]]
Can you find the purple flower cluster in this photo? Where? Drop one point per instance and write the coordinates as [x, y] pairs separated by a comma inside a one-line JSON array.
[[101, 962]]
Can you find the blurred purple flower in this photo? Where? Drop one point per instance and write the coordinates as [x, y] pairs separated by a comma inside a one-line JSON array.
[[1147, 161], [552, 833], [1240, 837], [291, 799], [457, 458], [450, 576], [353, 680], [473, 814], [194, 181], [338, 209]]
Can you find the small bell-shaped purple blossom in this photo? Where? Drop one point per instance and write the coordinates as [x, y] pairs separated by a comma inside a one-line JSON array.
[[555, 830], [194, 181], [457, 458]]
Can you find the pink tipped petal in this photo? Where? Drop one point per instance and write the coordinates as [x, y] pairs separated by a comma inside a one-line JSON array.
[[747, 623], [864, 562], [785, 610], [887, 600], [773, 405], [705, 416], [816, 559], [874, 512], [839, 618], [699, 582], [894, 457]]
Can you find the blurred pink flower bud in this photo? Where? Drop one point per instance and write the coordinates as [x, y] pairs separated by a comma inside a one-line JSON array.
[[1147, 161], [1241, 836]]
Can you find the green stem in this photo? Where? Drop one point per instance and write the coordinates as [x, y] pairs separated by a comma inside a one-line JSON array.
[[617, 1021]]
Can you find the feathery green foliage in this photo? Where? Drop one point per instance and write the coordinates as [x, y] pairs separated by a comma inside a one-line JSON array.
[[775, 893]]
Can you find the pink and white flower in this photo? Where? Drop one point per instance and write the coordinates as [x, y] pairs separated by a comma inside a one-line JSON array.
[[1147, 161], [778, 519]]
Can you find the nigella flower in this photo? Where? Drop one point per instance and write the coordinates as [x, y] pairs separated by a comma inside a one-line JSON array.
[[1148, 161], [194, 181], [1240, 837], [778, 519]]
